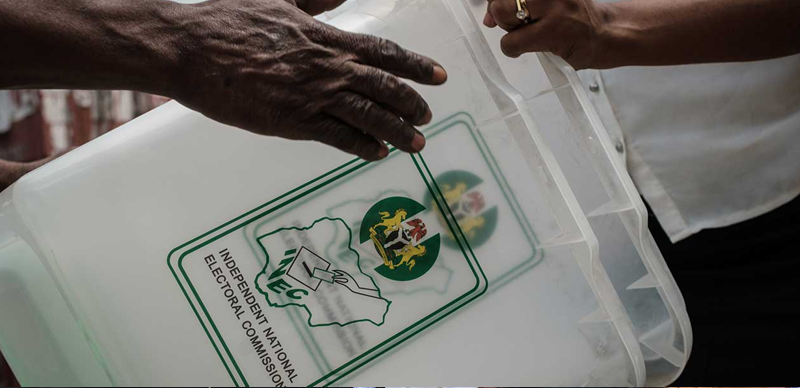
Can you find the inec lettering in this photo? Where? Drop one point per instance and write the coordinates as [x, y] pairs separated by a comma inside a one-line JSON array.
[[261, 335], [300, 272]]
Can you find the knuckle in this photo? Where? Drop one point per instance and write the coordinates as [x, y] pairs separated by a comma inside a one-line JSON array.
[[346, 140], [401, 133], [349, 140], [362, 108], [496, 9], [505, 12], [380, 83], [359, 108], [510, 8], [572, 6], [347, 41], [328, 133], [363, 76], [359, 146], [401, 97], [391, 90], [388, 49], [419, 66], [352, 75], [391, 84], [342, 99]]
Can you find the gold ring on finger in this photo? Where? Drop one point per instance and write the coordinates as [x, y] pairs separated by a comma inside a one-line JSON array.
[[522, 11]]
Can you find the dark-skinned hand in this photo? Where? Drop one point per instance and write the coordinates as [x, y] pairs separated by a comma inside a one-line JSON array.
[[268, 67], [570, 29]]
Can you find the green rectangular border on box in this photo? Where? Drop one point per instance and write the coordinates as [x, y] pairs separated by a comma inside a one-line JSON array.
[[348, 168]]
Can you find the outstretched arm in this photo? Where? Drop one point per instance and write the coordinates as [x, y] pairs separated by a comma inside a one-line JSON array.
[[263, 65], [87, 44], [591, 34], [10, 172]]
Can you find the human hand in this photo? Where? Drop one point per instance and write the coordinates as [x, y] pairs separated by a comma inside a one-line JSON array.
[[268, 67], [571, 29]]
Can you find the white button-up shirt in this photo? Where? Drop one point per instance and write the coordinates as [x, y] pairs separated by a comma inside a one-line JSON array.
[[707, 145]]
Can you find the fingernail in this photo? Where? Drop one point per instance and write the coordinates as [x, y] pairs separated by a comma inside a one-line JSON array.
[[487, 20], [418, 143], [439, 75], [383, 152]]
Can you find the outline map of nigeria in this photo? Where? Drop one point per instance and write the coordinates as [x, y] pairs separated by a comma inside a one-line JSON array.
[[296, 274]]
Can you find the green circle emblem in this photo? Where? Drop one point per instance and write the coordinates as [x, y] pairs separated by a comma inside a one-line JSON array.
[[400, 237]]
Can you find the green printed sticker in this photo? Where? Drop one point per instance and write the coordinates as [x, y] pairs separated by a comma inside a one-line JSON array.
[[288, 295], [315, 284]]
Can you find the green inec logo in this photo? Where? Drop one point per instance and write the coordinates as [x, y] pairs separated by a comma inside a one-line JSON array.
[[400, 238], [294, 273]]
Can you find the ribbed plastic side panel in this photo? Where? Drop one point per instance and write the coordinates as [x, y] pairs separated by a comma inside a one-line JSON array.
[[617, 215]]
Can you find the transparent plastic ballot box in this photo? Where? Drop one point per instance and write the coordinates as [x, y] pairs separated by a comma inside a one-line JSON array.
[[175, 250]]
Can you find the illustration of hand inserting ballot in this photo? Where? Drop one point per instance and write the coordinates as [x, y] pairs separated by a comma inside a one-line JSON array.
[[332, 290]]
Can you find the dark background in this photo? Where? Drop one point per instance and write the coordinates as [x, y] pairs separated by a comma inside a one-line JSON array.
[[742, 292]]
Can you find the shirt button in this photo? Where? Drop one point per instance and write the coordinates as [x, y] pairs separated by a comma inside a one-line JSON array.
[[594, 87], [619, 146]]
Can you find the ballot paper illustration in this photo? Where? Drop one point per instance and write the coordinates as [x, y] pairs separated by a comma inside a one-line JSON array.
[[296, 275]]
